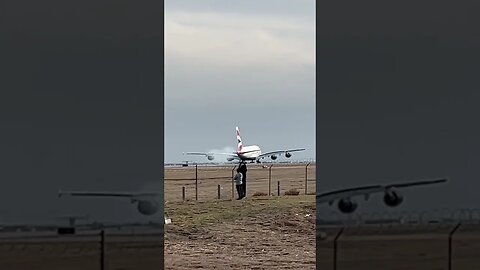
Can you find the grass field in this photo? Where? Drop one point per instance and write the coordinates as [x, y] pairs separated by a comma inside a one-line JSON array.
[[255, 233]]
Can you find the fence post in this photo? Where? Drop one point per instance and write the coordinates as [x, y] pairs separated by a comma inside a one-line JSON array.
[[306, 177], [196, 182], [102, 250], [233, 187], [270, 180], [183, 193], [335, 248], [278, 188], [450, 245], [218, 191]]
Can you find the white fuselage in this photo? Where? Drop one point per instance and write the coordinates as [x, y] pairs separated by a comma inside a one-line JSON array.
[[250, 152]]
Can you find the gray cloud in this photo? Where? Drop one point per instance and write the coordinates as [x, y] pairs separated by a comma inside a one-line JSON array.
[[225, 66], [303, 8]]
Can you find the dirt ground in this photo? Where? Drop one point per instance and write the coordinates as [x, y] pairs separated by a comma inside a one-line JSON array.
[[270, 233]]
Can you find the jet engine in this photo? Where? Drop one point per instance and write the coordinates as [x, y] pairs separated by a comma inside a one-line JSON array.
[[392, 198], [210, 157], [288, 155], [273, 157], [347, 205], [147, 208], [230, 158]]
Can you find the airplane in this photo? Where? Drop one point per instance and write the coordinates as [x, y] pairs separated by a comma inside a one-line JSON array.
[[148, 203], [251, 153], [391, 197]]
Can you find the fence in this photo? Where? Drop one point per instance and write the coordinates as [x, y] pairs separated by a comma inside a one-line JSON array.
[[93, 250], [215, 182], [447, 239]]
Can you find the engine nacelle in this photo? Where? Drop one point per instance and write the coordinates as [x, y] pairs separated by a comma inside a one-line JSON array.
[[147, 208], [273, 157], [230, 158], [288, 155], [392, 198], [210, 157], [347, 206]]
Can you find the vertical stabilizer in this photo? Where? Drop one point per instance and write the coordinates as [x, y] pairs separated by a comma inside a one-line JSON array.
[[239, 141]]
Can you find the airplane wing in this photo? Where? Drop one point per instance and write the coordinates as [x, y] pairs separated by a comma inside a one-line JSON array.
[[106, 194], [330, 197], [197, 153], [279, 152], [210, 155]]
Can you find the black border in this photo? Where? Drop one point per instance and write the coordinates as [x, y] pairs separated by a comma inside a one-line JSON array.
[[431, 46], [29, 16]]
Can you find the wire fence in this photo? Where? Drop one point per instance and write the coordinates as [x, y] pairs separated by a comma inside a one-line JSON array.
[[216, 182], [98, 250], [439, 239]]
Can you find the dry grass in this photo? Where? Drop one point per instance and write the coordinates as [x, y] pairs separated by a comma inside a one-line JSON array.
[[292, 192], [254, 233], [289, 176]]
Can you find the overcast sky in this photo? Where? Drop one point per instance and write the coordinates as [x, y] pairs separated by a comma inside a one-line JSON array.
[[239, 63]]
